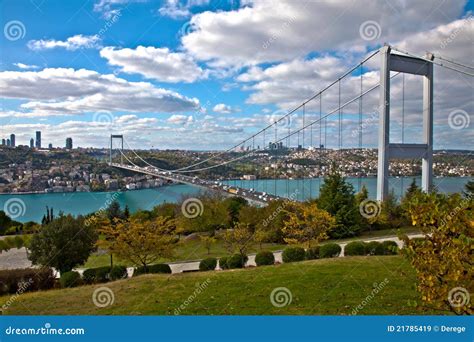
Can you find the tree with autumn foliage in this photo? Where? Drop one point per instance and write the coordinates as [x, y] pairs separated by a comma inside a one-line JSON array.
[[443, 258], [305, 224], [141, 242], [238, 239]]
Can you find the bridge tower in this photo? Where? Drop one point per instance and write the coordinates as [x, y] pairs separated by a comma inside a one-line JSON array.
[[387, 150], [112, 137]]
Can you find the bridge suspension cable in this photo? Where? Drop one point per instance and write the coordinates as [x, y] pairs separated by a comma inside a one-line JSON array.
[[319, 93], [289, 135]]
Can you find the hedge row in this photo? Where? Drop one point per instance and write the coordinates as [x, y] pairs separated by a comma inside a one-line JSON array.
[[233, 261], [104, 274], [371, 248], [93, 276], [26, 280], [157, 268]]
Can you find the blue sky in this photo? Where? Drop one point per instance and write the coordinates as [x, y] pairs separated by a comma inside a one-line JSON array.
[[201, 74]]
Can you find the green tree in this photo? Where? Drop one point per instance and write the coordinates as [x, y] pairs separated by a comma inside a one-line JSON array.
[[337, 198], [126, 212], [63, 243], [412, 190], [234, 205], [211, 214], [114, 211], [469, 189], [5, 222], [391, 213]]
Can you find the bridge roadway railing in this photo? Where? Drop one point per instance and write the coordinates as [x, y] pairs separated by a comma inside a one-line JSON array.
[[254, 197]]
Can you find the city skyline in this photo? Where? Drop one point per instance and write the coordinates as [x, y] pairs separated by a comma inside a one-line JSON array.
[[165, 84]]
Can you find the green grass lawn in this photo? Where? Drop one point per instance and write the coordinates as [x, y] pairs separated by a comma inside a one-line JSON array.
[[321, 287], [193, 249]]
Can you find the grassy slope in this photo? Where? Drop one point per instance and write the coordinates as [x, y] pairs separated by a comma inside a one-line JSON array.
[[193, 249], [329, 286]]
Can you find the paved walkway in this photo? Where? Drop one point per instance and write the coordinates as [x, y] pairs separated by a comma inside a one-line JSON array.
[[16, 258]]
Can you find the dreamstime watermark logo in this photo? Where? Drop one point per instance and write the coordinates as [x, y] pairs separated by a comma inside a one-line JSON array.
[[369, 208], [103, 297], [22, 287], [14, 207], [370, 30], [280, 297], [280, 208], [371, 120], [102, 209], [14, 30], [186, 28], [459, 119], [104, 118], [197, 291], [452, 214], [458, 297], [109, 23], [192, 208], [376, 289], [279, 32], [455, 32], [280, 119]]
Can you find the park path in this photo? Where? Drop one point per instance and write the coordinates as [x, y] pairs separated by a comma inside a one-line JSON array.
[[16, 258]]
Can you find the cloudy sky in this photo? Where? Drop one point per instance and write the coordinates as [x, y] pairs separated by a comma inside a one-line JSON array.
[[203, 74]]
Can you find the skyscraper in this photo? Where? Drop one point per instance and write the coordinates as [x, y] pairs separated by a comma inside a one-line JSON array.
[[69, 143], [4, 142], [12, 140], [50, 146], [32, 143], [38, 139], [8, 142]]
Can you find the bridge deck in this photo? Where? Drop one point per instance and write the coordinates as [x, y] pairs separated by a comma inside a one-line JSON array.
[[255, 197]]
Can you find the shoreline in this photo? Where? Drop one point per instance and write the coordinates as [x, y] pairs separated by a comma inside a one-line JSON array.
[[227, 180]]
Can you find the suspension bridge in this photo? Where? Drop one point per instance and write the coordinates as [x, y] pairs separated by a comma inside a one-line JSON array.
[[306, 125]]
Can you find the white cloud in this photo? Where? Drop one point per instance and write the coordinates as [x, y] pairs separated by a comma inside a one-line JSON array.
[[25, 66], [109, 8], [270, 31], [69, 91], [178, 9], [180, 119], [223, 109], [155, 63], [73, 43]]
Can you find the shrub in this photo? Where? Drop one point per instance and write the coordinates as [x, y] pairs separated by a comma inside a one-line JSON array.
[[102, 274], [292, 254], [312, 253], [96, 275], [264, 258], [237, 261], [88, 276], [390, 247], [374, 248], [355, 248], [26, 280], [223, 263], [329, 250], [157, 268], [208, 264], [70, 279], [118, 272]]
